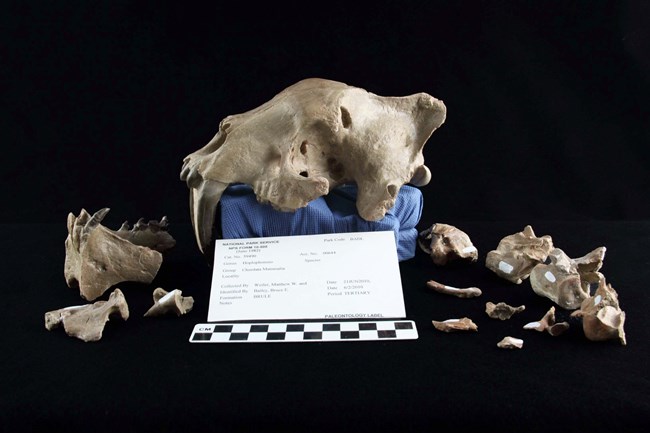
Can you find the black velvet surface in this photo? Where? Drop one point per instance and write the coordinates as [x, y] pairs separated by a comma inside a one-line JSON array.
[[144, 375]]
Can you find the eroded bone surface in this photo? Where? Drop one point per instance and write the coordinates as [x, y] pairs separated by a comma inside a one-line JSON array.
[[309, 138], [467, 292], [548, 324], [169, 303], [87, 322], [502, 311], [517, 254], [97, 258], [510, 343], [453, 325], [567, 281], [446, 243], [153, 234], [602, 317]]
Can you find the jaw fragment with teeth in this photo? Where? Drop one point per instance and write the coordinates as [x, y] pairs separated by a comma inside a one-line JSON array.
[[169, 303], [517, 254], [548, 324], [87, 322], [502, 311], [453, 325], [446, 243], [97, 258], [602, 317], [567, 281], [311, 137]]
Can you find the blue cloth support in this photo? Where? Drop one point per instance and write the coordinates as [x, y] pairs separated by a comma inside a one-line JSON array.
[[243, 217]]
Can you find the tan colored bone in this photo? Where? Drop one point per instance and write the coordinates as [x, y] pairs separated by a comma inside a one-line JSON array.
[[87, 322], [169, 303], [602, 317], [468, 292], [510, 343], [548, 324], [309, 138], [446, 243], [517, 254], [567, 281], [97, 258], [152, 234], [453, 325], [502, 311]]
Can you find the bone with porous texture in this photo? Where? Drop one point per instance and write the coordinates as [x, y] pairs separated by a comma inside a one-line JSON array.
[[502, 311], [446, 243], [453, 325], [510, 343], [468, 292], [97, 258], [153, 234], [308, 139], [548, 324], [87, 322], [169, 303], [602, 317], [517, 254], [567, 281]]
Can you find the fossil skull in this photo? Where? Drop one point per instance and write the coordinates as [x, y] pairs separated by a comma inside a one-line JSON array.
[[445, 243], [309, 138]]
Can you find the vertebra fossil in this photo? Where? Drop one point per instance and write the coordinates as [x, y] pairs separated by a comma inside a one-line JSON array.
[[548, 324], [510, 343], [86, 322], [567, 281], [311, 137], [97, 258], [446, 243], [517, 254], [602, 317], [169, 303], [502, 311]]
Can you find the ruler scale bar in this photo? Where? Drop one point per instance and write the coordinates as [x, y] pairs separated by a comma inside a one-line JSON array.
[[294, 332]]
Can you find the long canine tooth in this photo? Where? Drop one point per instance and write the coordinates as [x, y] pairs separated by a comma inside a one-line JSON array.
[[95, 220], [203, 203]]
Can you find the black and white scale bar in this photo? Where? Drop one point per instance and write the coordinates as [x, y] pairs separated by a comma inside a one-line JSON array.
[[304, 332]]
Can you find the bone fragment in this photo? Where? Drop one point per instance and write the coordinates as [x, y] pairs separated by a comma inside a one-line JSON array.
[[453, 325], [87, 322], [446, 243], [469, 292], [510, 343], [153, 234], [169, 303], [548, 324], [567, 281], [502, 310], [309, 138], [517, 254], [97, 258], [602, 317]]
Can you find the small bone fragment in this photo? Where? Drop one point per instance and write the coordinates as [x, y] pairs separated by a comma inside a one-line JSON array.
[[469, 292], [502, 310], [452, 325], [517, 254], [169, 303], [548, 324], [446, 243], [510, 343], [97, 258], [567, 281], [309, 138], [153, 234], [602, 317], [87, 322]]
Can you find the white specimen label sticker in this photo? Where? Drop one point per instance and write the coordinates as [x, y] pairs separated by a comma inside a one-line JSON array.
[[505, 267], [549, 276], [468, 250]]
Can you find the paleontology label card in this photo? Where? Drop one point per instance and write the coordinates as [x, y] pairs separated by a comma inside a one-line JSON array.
[[332, 276]]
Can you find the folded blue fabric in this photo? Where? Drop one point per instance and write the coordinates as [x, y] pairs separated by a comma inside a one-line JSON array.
[[243, 217]]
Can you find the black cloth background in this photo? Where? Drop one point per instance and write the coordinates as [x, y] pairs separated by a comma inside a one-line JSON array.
[[548, 110]]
